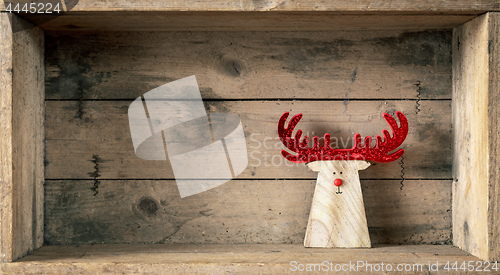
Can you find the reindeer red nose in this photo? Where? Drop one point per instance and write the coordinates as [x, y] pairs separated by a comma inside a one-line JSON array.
[[337, 182]]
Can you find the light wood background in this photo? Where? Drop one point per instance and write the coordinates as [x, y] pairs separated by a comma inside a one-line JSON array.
[[341, 81]]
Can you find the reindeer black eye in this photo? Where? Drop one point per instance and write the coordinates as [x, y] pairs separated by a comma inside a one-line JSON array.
[[341, 173], [334, 173]]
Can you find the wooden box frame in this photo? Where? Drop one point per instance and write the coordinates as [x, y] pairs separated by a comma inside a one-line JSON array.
[[476, 101]]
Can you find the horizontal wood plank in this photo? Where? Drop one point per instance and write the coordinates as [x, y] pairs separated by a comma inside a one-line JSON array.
[[245, 21], [79, 132], [242, 65], [239, 211], [234, 253], [218, 259], [422, 6]]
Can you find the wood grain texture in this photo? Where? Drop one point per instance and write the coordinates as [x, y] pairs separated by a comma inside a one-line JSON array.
[[22, 139], [494, 136], [6, 241], [470, 170], [475, 116], [240, 211], [218, 259], [256, 65], [244, 21], [28, 137], [76, 131], [422, 6], [86, 138], [337, 217]]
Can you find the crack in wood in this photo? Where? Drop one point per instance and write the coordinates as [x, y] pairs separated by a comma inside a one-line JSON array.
[[177, 228]]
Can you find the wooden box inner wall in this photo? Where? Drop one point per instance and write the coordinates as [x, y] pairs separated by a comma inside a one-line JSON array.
[[342, 81]]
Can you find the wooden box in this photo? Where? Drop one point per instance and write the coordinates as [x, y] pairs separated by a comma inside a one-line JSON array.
[[74, 198]]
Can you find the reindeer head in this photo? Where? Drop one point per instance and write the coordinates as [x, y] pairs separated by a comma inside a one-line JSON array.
[[337, 165]]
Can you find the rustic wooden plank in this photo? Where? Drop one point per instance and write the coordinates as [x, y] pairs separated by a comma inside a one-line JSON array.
[[242, 65], [128, 252], [240, 211], [78, 133], [475, 117], [494, 136], [422, 6], [6, 140], [22, 139], [244, 21], [233, 258], [28, 137], [470, 75]]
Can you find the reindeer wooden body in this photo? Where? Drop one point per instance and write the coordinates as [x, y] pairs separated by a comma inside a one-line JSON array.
[[337, 218]]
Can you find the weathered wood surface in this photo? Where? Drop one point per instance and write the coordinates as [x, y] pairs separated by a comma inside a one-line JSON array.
[[256, 65], [476, 199], [22, 132], [240, 211], [245, 21], [366, 6], [6, 221], [494, 136], [28, 136], [235, 253], [215, 259], [88, 138], [337, 217], [218, 259], [78, 131]]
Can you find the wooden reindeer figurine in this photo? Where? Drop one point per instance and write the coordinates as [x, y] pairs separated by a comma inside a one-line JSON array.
[[337, 217]]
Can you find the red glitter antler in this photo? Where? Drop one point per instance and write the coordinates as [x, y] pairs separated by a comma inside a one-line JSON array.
[[380, 153]]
